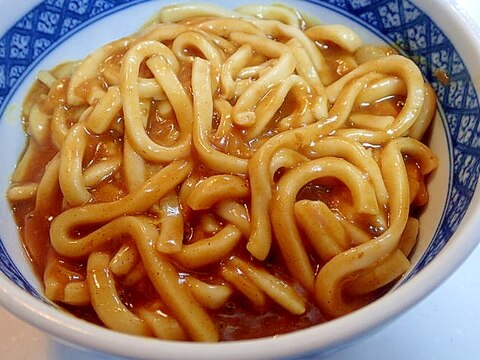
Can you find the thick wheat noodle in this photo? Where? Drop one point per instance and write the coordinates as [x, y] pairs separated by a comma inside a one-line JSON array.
[[306, 69], [243, 111], [163, 32], [235, 213], [106, 301], [105, 213], [202, 124], [22, 192], [176, 13], [260, 179], [217, 188], [321, 227], [199, 42], [101, 171], [388, 269], [209, 250], [129, 90], [338, 34], [225, 26], [328, 288], [132, 160], [278, 12], [105, 111], [356, 154], [402, 67], [193, 318], [210, 296], [276, 28], [48, 187], [164, 327], [283, 220], [278, 290], [224, 109], [244, 285], [58, 126], [124, 260], [269, 105], [385, 86], [232, 67], [87, 70], [70, 176], [38, 124], [171, 234], [73, 290], [165, 278]]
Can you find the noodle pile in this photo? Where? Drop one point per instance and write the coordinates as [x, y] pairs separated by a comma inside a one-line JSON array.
[[215, 156]]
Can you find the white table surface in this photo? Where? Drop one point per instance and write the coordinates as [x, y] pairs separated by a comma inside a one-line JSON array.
[[446, 325]]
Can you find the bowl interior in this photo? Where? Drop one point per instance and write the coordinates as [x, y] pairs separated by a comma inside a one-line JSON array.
[[56, 31]]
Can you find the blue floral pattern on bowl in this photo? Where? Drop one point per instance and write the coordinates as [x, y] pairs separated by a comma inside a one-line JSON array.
[[399, 22]]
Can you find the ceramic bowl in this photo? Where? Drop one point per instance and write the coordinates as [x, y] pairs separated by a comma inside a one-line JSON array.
[[37, 35]]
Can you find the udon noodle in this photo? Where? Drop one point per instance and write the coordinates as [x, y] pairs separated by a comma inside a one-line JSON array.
[[219, 170]]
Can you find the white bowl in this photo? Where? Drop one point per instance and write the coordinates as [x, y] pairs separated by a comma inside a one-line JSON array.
[[37, 35]]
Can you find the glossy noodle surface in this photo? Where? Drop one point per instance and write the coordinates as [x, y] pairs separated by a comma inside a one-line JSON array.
[[224, 175]]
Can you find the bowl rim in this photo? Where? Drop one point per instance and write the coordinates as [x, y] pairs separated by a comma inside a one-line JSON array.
[[327, 336]]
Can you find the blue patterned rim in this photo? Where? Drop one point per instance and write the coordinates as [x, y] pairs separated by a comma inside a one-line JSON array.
[[398, 22]]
